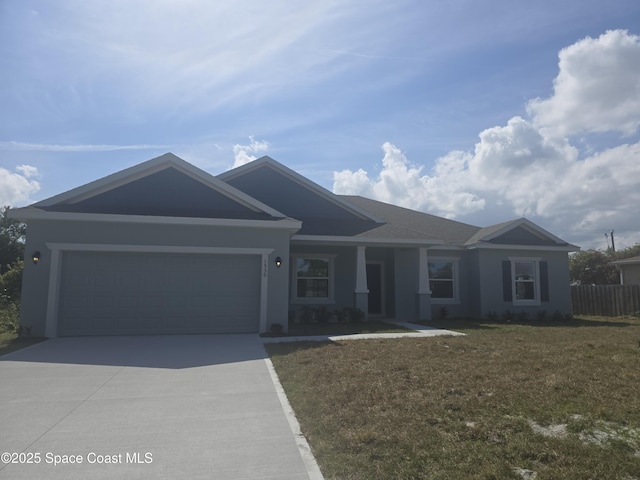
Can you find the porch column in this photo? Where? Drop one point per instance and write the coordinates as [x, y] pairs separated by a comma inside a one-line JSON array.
[[423, 307], [361, 293]]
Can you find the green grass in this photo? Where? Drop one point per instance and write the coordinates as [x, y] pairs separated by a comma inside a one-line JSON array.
[[10, 342], [466, 407]]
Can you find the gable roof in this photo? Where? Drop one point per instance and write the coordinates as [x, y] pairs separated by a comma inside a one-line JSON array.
[[627, 261], [520, 232], [484, 233], [131, 191], [267, 164], [170, 190]]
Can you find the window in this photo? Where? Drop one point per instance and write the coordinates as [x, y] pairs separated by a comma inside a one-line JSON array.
[[525, 283], [443, 280], [313, 278], [525, 280]]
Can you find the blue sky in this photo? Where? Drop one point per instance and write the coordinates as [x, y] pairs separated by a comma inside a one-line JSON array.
[[478, 111]]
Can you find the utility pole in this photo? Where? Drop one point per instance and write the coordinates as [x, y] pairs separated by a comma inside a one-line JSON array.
[[613, 243]]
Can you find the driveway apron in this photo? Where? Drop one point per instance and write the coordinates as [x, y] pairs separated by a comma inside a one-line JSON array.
[[184, 406]]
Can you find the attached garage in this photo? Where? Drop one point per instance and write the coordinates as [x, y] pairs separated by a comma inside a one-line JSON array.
[[114, 293], [159, 248]]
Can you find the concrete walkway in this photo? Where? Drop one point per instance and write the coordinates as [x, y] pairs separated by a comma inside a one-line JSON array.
[[161, 407], [418, 331]]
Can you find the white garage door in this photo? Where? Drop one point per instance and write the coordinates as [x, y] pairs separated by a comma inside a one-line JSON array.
[[114, 293]]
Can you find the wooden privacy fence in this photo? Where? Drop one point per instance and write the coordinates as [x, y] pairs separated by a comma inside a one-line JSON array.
[[605, 300]]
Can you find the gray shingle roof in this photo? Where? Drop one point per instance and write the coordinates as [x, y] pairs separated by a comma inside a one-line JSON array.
[[406, 223], [630, 260]]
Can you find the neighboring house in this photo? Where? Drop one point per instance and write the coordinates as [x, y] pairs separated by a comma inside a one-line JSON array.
[[629, 270], [164, 247]]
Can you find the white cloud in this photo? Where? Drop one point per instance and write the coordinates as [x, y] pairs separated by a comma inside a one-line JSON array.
[[347, 182], [402, 183], [529, 167], [518, 163], [243, 153], [573, 198], [17, 188], [44, 147], [513, 164], [27, 171], [599, 192], [597, 88]]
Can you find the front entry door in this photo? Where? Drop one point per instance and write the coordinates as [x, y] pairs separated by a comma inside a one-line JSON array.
[[374, 284]]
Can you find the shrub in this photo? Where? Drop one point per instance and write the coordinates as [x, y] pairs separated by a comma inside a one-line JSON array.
[[444, 313], [277, 328], [11, 281], [349, 314], [507, 316], [541, 316], [306, 315], [492, 316], [24, 331], [341, 315], [322, 315], [523, 317], [9, 316], [355, 315]]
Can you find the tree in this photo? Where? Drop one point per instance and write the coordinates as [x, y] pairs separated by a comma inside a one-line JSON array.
[[592, 267], [627, 252], [11, 282], [12, 237]]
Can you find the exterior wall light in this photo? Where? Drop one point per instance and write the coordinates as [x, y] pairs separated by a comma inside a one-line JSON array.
[[278, 262], [35, 257]]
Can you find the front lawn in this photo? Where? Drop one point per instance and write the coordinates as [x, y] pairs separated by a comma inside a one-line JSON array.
[[560, 400]]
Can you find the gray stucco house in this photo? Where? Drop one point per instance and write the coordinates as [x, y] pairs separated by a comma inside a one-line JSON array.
[[629, 269], [164, 247]]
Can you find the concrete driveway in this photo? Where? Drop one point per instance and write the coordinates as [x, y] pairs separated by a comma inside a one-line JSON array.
[[193, 406]]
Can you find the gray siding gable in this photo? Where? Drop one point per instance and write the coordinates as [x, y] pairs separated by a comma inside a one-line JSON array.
[[522, 236], [517, 232], [167, 192], [315, 208], [287, 196]]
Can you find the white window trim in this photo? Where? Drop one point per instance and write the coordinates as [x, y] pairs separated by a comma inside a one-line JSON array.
[[536, 285], [456, 281], [294, 276]]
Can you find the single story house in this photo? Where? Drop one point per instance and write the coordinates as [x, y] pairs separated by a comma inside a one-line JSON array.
[[165, 247], [629, 270]]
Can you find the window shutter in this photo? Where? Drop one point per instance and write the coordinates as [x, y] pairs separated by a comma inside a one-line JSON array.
[[506, 281], [544, 281]]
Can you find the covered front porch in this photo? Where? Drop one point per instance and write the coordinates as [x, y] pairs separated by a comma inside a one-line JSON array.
[[383, 280]]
